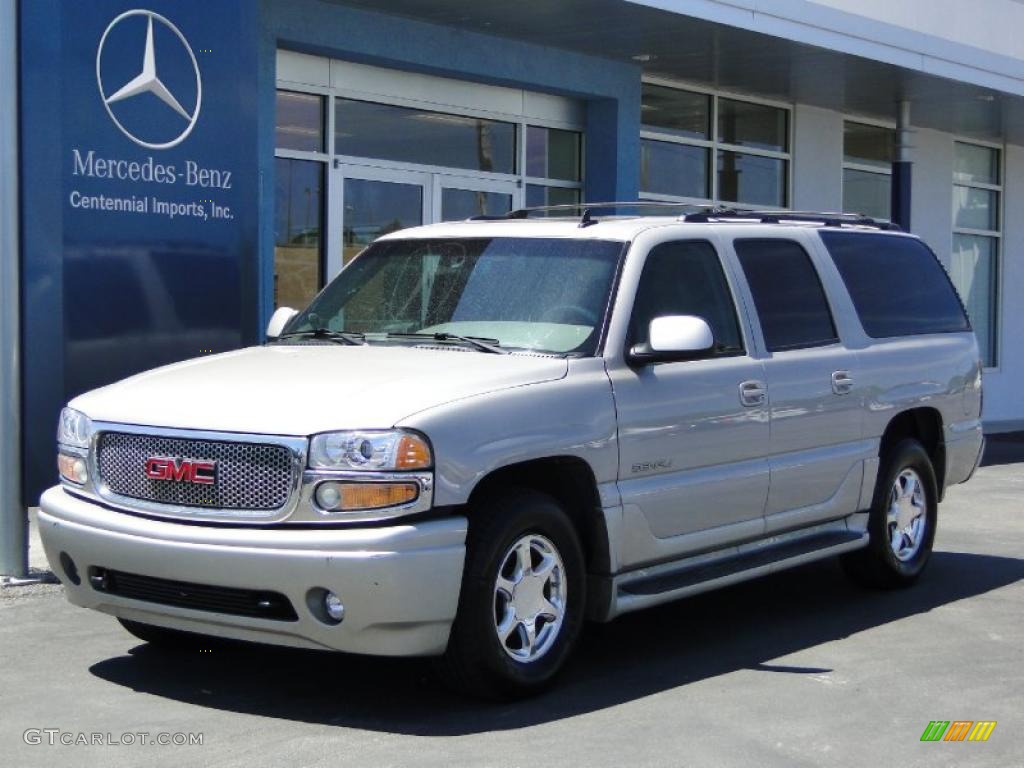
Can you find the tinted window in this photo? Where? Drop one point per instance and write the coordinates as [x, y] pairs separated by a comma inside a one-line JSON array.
[[896, 283], [787, 293], [686, 278]]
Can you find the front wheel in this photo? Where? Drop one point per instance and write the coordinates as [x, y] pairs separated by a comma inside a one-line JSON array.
[[521, 606], [901, 526]]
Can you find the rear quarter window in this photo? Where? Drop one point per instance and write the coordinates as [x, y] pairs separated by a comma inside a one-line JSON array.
[[898, 286]]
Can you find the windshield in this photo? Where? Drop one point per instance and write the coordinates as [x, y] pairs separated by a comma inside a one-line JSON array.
[[546, 295]]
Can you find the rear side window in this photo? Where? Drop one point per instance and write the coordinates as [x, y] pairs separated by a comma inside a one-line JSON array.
[[787, 291], [897, 285], [685, 277]]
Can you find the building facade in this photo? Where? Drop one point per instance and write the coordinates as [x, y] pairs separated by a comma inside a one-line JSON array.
[[178, 169]]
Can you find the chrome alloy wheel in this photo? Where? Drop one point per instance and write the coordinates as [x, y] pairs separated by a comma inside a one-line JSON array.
[[529, 598], [907, 518]]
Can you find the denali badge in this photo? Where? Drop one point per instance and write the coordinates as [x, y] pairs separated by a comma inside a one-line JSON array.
[[181, 470]]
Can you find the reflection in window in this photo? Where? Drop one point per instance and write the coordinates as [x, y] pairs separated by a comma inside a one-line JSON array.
[[675, 112], [552, 153], [459, 204], [375, 208], [749, 149], [537, 195], [974, 264], [300, 121], [867, 193], [668, 168], [752, 125], [973, 269], [365, 129], [753, 179], [298, 211]]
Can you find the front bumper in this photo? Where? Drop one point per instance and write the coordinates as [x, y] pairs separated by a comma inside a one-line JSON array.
[[399, 584]]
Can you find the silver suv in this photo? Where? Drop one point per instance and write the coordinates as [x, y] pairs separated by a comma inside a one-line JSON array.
[[481, 434]]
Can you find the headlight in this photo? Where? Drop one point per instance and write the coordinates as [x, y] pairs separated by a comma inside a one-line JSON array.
[[390, 450], [74, 429]]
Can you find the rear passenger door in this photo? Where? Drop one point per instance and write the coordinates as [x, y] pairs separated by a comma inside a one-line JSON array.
[[816, 445]]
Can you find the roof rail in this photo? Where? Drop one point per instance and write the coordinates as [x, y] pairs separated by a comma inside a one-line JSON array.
[[586, 211], [694, 213], [776, 216]]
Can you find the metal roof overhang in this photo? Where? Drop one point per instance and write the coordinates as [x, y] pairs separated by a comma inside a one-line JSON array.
[[823, 58]]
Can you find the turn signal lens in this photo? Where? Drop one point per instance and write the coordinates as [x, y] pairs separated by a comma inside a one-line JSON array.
[[413, 453], [72, 468], [351, 497]]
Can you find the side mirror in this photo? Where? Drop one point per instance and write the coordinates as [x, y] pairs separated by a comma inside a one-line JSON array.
[[673, 337], [281, 317]]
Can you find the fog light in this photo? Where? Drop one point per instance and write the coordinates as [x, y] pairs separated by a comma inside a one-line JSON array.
[[72, 468], [333, 606], [350, 497], [328, 496]]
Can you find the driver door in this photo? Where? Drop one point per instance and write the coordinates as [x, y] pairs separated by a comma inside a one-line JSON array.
[[693, 434]]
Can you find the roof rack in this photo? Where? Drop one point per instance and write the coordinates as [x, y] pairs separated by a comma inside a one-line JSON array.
[[776, 217], [695, 213]]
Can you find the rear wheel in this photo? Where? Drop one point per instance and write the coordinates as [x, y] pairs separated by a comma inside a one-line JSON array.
[[902, 521], [521, 606]]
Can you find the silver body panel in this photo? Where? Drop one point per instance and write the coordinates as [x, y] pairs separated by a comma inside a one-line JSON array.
[[685, 468]]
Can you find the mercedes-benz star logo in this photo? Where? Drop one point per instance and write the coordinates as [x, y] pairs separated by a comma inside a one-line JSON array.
[[148, 80]]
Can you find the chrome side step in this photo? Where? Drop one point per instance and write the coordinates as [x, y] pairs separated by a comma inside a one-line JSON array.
[[670, 581]]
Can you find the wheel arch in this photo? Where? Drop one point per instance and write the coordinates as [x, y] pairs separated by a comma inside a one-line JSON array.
[[925, 425], [570, 480]]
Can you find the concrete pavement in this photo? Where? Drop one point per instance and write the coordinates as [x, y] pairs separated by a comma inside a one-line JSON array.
[[799, 669]]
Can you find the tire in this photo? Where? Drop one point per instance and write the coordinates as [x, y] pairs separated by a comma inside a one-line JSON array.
[[504, 531], [889, 562], [163, 637]]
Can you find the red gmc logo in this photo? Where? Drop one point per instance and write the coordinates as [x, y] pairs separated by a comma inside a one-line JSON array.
[[181, 470]]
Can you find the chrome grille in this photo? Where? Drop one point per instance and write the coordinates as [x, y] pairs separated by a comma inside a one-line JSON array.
[[249, 476]]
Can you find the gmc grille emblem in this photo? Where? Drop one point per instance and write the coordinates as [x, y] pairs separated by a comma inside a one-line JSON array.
[[181, 470]]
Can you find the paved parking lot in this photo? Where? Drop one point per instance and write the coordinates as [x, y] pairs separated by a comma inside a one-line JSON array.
[[799, 669]]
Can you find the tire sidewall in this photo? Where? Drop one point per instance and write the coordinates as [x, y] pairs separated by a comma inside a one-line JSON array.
[[908, 454], [521, 514]]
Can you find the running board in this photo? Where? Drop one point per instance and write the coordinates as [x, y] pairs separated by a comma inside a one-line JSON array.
[[671, 581]]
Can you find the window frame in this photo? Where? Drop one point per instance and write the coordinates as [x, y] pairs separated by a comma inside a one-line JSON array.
[[716, 249], [997, 235], [878, 170], [327, 156], [756, 313], [714, 146]]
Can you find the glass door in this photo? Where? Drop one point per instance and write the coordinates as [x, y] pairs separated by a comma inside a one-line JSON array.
[[366, 202], [370, 202], [457, 198]]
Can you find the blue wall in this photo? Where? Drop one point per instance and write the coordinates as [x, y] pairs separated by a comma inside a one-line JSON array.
[[110, 290]]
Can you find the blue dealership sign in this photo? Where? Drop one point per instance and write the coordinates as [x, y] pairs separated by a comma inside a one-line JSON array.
[[140, 194]]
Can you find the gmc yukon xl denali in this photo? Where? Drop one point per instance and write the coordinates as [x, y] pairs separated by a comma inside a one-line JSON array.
[[481, 434]]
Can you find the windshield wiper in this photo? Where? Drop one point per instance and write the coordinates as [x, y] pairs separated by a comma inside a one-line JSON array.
[[338, 337], [480, 342]]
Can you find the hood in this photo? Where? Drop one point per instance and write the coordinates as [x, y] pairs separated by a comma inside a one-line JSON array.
[[300, 390]]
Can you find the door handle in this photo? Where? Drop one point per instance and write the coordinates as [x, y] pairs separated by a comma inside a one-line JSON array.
[[752, 393], [842, 382]]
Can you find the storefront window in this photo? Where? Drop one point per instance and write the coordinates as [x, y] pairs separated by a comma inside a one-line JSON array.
[[868, 152], [749, 149], [552, 153], [298, 214], [300, 121], [974, 265], [668, 168], [537, 195], [404, 134]]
